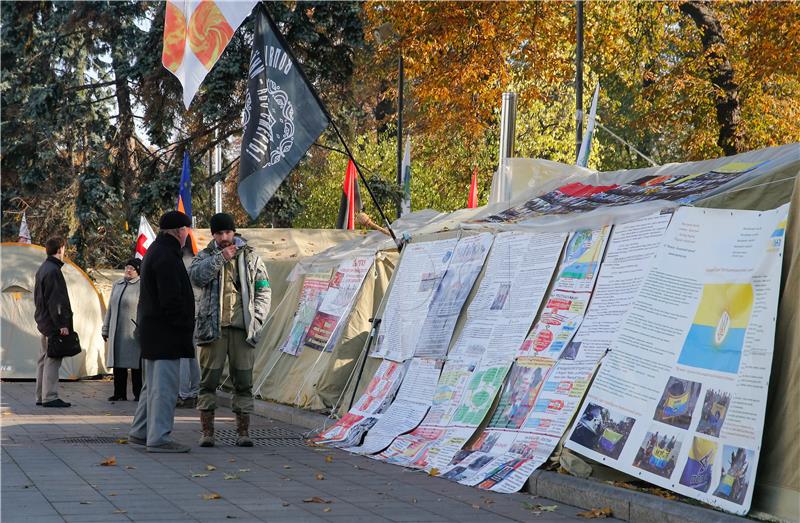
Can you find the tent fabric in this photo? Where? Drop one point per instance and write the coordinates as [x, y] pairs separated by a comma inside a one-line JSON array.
[[777, 488], [765, 187], [21, 340]]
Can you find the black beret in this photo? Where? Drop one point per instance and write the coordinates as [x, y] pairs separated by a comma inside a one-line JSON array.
[[174, 220], [222, 222], [136, 263]]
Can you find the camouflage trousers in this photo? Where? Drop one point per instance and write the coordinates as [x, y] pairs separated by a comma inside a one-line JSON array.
[[232, 345]]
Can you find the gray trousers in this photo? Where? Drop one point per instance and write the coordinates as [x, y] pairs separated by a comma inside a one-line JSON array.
[[47, 369], [155, 414], [190, 378]]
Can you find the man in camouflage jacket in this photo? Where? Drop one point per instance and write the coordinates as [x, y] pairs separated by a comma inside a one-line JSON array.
[[234, 305]]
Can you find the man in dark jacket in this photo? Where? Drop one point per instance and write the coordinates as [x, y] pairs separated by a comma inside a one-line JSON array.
[[53, 318], [165, 320]]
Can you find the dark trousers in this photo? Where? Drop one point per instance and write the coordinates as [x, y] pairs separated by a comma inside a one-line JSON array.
[[121, 382]]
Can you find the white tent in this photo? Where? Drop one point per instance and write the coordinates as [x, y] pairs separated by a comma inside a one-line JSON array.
[[21, 343]]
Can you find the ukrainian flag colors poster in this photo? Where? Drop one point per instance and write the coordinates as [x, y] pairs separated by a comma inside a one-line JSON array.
[[685, 383], [717, 333]]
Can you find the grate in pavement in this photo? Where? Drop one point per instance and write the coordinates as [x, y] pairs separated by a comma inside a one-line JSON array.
[[87, 440], [270, 437], [267, 437]]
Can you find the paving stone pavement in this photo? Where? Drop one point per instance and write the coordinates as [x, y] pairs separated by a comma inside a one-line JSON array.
[[52, 472]]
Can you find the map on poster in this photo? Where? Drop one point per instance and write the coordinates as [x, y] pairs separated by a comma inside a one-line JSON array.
[[692, 360]]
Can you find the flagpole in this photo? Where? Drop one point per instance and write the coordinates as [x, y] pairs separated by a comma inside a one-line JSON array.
[[313, 91]]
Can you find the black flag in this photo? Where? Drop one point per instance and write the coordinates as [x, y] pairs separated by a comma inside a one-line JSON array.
[[282, 117]]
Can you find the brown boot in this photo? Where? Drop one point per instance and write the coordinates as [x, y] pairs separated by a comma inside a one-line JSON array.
[[207, 426], [242, 429]]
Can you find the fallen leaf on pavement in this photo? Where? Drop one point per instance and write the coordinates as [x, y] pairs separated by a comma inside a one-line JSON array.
[[244, 470], [319, 476], [287, 467], [328, 459], [433, 472], [86, 502], [316, 499], [122, 441], [326, 509], [596, 513], [120, 511], [211, 496], [109, 461], [129, 467], [230, 476], [285, 504], [199, 475], [476, 507], [211, 467], [538, 509]]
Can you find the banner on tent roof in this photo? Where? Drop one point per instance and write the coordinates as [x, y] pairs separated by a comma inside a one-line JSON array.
[[680, 400], [579, 197]]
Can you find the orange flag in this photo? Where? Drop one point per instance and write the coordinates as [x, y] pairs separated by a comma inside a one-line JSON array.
[[196, 33]]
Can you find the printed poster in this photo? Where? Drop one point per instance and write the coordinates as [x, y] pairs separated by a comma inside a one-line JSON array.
[[518, 271], [543, 393], [314, 287], [680, 399], [336, 303], [350, 429], [421, 268]]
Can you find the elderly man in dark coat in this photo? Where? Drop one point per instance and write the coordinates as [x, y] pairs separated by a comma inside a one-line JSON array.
[[165, 319]]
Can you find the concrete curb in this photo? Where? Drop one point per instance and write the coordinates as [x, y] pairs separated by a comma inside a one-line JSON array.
[[627, 505]]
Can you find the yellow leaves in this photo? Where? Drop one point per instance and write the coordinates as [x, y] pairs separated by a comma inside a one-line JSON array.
[[110, 461], [121, 441], [210, 496], [328, 459], [596, 513], [210, 467], [433, 472]]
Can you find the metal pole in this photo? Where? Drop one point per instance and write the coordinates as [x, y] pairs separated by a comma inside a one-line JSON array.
[[579, 77], [400, 81], [508, 127], [217, 169]]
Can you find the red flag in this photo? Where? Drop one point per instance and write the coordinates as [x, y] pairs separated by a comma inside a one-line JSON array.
[[472, 201], [351, 199]]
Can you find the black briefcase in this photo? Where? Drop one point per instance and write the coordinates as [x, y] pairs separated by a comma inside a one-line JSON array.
[[63, 346]]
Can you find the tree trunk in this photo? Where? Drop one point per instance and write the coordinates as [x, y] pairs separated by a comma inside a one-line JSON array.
[[721, 74], [123, 173]]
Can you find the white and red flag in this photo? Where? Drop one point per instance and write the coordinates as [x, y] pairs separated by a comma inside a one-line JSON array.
[[24, 233], [144, 238], [196, 33]]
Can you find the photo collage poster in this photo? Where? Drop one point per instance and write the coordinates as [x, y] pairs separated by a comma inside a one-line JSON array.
[[680, 399]]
